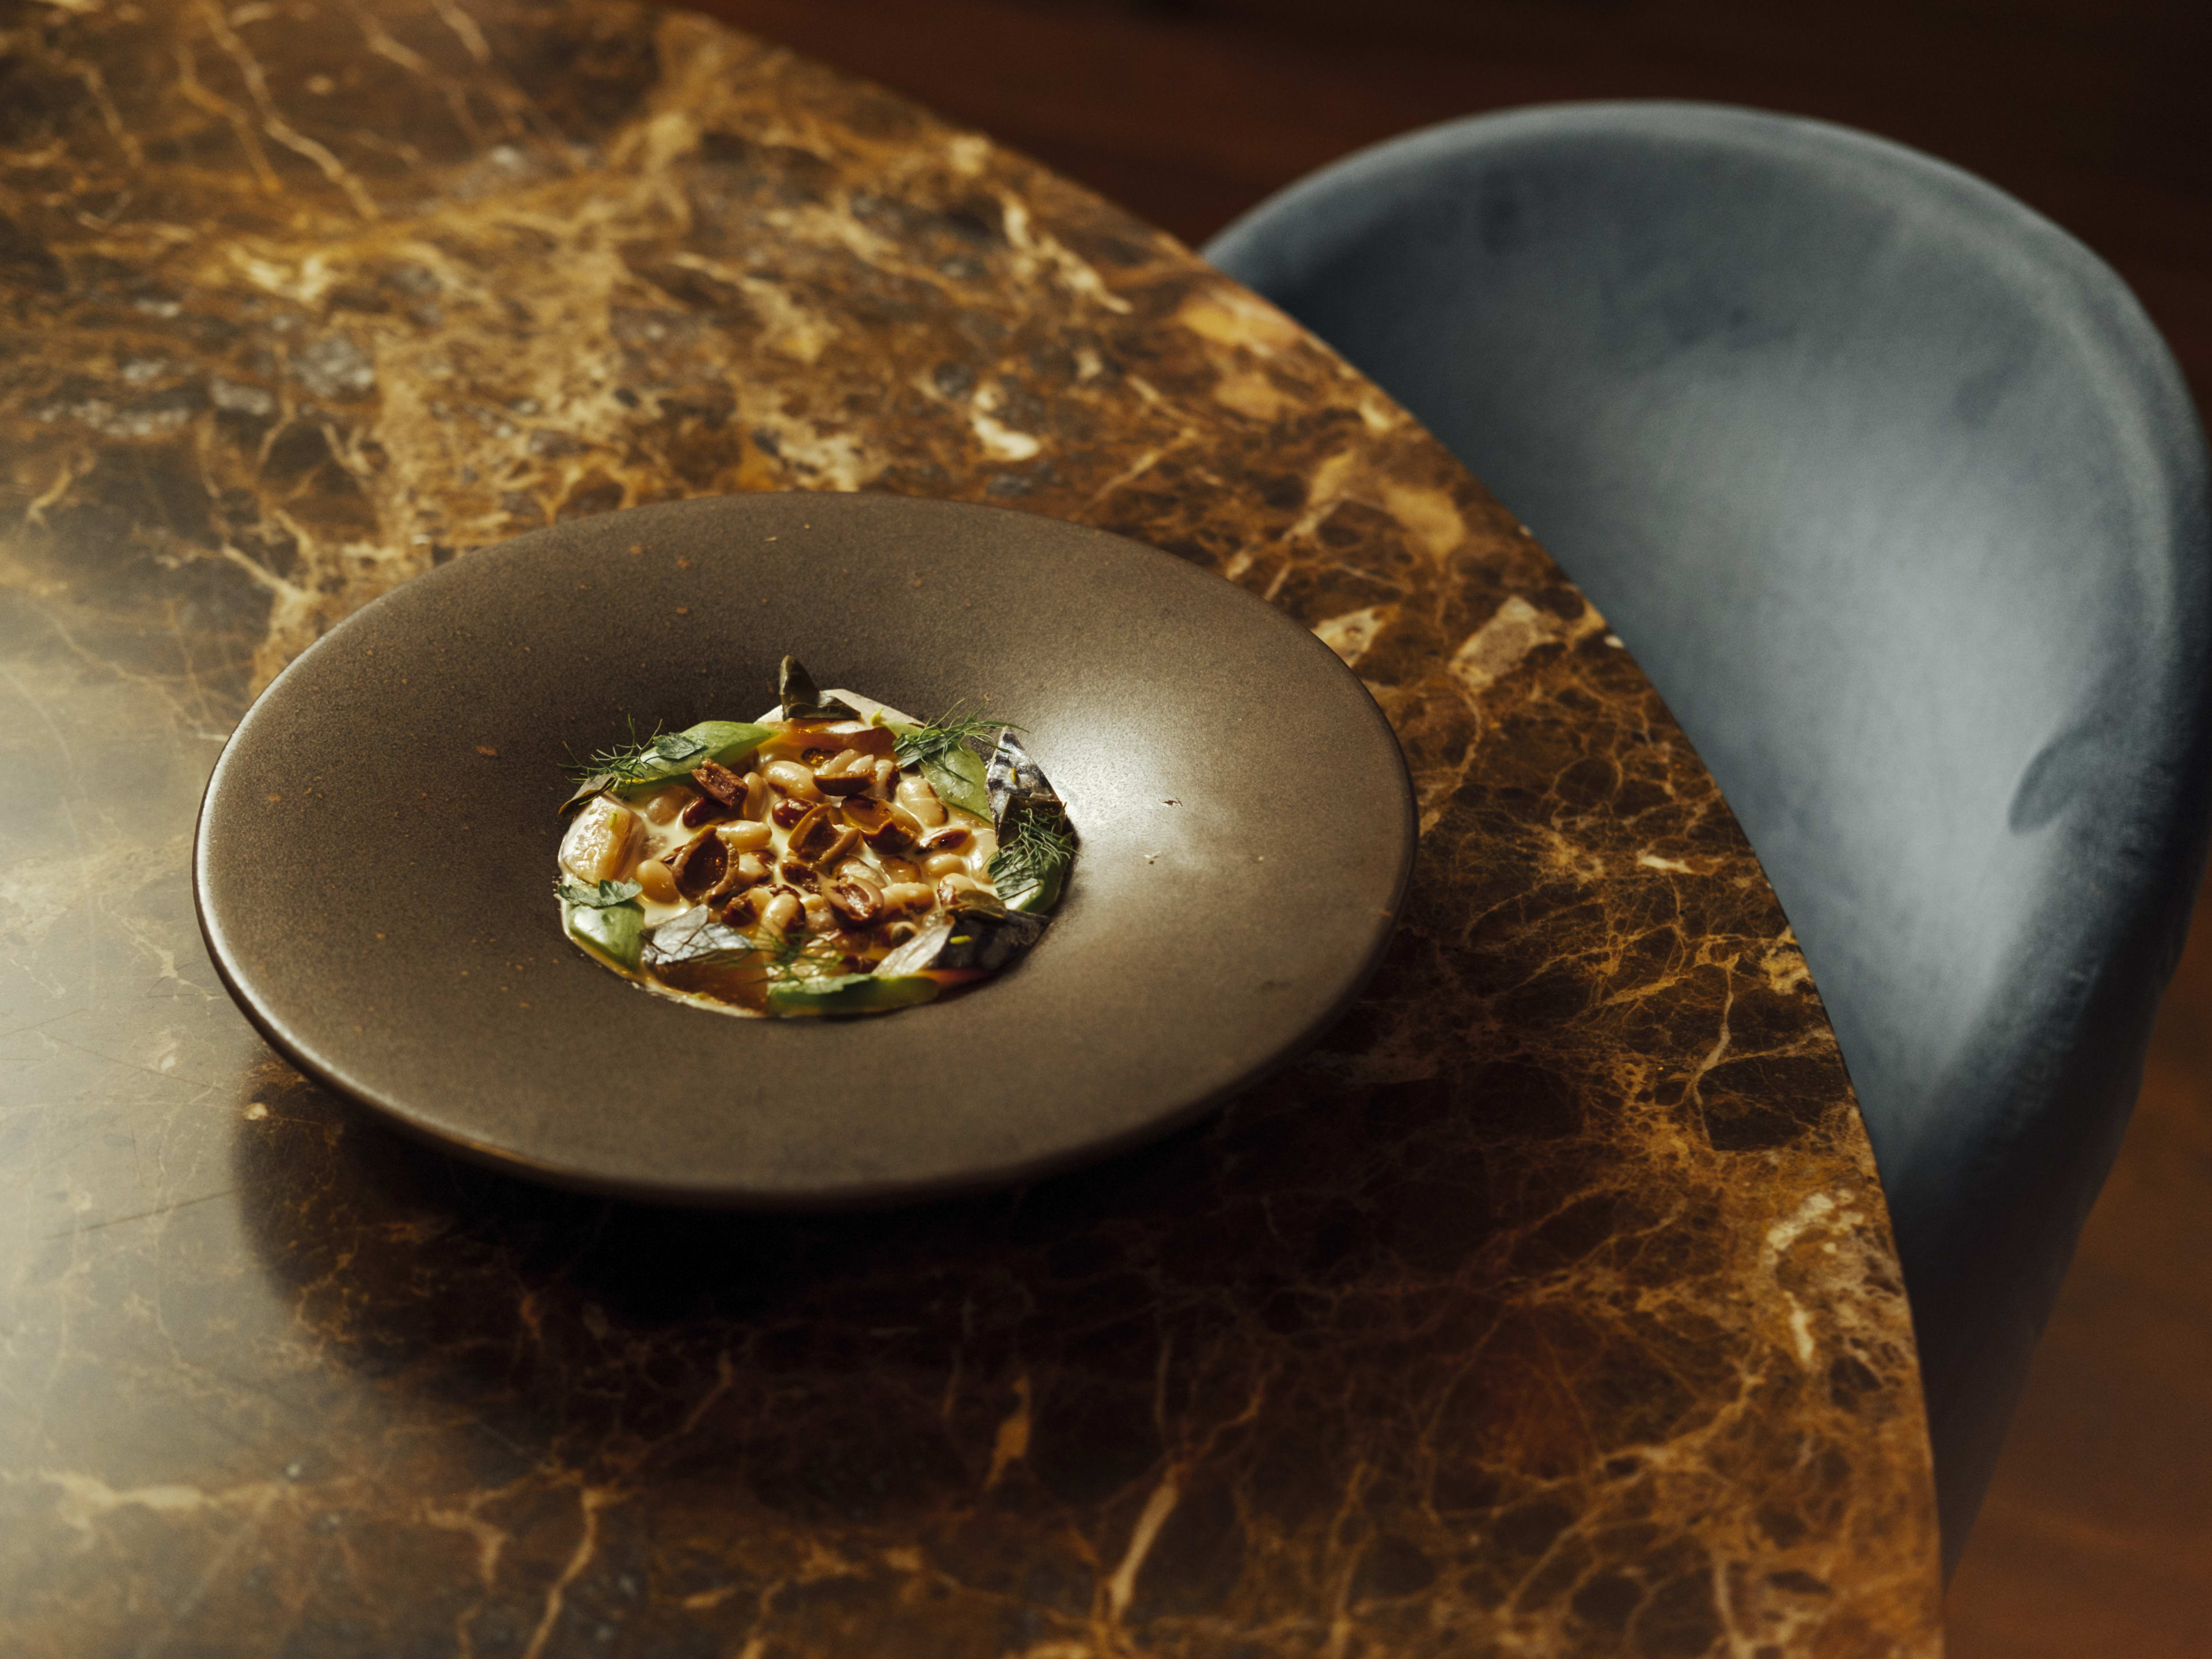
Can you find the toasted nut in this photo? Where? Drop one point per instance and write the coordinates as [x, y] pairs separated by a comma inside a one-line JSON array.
[[744, 869], [601, 843], [659, 884], [782, 913], [938, 865], [724, 785], [848, 774], [950, 839], [700, 864], [918, 798], [902, 897], [703, 809], [793, 780], [745, 837], [865, 814], [901, 834], [786, 813], [888, 828], [857, 899], [815, 834], [757, 797]]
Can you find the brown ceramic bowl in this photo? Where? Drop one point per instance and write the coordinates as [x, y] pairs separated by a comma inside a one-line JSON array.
[[375, 857]]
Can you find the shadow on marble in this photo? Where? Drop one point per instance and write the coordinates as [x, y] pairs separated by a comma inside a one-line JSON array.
[[1054, 1347]]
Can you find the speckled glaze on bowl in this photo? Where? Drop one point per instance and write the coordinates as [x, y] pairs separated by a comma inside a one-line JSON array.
[[1247, 829]]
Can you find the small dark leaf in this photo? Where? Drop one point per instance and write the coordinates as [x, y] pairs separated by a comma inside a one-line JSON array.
[[802, 699]]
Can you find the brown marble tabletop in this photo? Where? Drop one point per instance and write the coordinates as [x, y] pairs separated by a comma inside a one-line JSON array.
[[1549, 1308]]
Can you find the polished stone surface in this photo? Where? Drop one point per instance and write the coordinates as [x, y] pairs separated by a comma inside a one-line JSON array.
[[1550, 1307]]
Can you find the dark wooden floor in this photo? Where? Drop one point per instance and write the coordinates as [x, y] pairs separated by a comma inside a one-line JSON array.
[[2097, 1537]]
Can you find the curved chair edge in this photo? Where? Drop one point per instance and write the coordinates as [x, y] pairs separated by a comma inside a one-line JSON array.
[[1268, 244]]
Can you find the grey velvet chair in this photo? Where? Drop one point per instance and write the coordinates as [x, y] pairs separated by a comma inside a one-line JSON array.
[[1900, 501]]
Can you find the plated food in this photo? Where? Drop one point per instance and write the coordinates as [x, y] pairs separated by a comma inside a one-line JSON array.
[[836, 857], [379, 835]]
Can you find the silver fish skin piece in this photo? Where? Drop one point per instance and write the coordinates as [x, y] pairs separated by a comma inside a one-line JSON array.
[[982, 934], [695, 936], [1017, 782]]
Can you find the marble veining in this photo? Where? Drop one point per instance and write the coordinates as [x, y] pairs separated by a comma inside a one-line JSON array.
[[1549, 1308]]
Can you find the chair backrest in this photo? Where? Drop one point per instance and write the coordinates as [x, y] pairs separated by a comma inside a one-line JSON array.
[[1901, 502]]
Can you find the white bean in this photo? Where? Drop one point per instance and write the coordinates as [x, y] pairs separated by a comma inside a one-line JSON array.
[[793, 780], [919, 799], [901, 896], [659, 884], [757, 798]]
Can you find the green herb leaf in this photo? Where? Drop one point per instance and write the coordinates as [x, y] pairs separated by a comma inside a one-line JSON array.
[[1031, 864], [665, 754], [950, 730], [960, 779]]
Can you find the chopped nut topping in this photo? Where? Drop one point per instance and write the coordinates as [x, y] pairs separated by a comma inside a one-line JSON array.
[[703, 809], [724, 785], [814, 833], [698, 865], [857, 899]]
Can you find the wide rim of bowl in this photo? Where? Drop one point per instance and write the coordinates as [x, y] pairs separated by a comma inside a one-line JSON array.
[[1392, 822]]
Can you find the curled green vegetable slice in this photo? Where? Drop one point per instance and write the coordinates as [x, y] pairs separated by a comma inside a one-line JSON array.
[[613, 930], [851, 994], [677, 753]]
